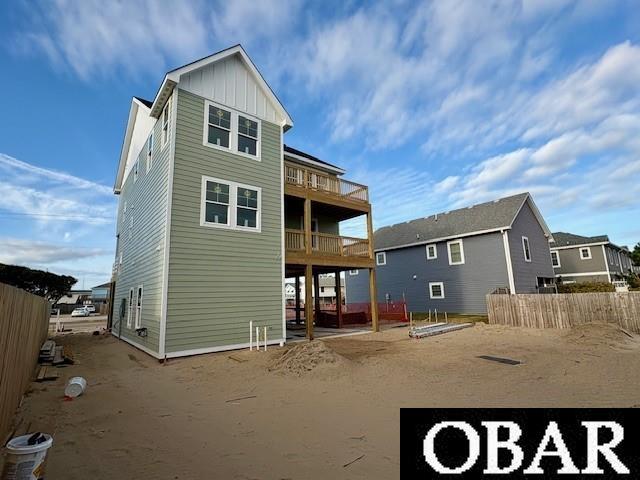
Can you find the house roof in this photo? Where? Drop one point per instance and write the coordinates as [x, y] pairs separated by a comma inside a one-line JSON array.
[[172, 77], [104, 285], [474, 220], [563, 239], [300, 156]]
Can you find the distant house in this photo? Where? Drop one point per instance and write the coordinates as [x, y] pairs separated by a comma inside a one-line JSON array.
[[328, 290], [73, 299], [450, 261], [577, 258], [100, 294]]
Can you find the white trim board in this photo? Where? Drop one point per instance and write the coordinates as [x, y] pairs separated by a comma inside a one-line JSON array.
[[507, 253], [566, 247], [223, 348]]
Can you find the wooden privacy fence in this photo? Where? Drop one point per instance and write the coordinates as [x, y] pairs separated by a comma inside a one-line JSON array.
[[565, 310], [24, 323]]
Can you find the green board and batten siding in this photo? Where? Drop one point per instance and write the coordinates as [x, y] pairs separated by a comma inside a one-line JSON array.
[[143, 243], [220, 280]]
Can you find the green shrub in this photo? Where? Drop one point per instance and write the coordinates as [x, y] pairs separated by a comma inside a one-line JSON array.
[[633, 280], [586, 287]]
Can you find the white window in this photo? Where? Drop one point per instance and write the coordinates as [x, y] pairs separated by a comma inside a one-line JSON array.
[[456, 252], [247, 136], [135, 172], [166, 116], [555, 259], [381, 258], [139, 307], [436, 290], [353, 272], [432, 252], [231, 131], [230, 205], [218, 126], [525, 249], [130, 308], [585, 253], [150, 152]]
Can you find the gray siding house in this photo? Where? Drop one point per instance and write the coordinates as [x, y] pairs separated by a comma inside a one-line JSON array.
[[215, 212], [450, 261], [577, 258]]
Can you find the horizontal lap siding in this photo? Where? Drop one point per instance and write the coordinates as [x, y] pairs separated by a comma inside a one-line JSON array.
[[143, 253], [465, 286], [525, 274], [220, 280]]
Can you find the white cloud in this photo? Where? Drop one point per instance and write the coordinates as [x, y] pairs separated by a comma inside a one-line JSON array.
[[48, 196], [20, 252]]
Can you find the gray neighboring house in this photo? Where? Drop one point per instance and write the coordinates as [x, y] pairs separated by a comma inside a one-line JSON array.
[[577, 258], [450, 261]]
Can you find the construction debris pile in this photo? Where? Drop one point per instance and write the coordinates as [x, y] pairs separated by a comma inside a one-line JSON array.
[[51, 357], [305, 357], [436, 329]]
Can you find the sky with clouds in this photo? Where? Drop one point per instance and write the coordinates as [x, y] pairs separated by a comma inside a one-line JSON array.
[[433, 104]]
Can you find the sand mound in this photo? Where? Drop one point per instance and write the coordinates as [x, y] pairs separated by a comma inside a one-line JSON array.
[[305, 357], [607, 334]]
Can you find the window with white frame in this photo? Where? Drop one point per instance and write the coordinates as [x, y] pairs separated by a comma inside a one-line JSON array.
[[138, 323], [166, 116], [525, 249], [353, 272], [219, 126], [432, 252], [231, 205], [381, 258], [585, 253], [436, 290], [247, 208], [555, 259], [455, 249], [231, 130], [130, 308], [247, 135], [150, 152]]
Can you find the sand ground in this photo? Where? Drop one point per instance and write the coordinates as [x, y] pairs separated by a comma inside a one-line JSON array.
[[247, 415]]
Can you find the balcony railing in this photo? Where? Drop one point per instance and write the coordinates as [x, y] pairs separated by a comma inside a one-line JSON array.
[[338, 187], [327, 244]]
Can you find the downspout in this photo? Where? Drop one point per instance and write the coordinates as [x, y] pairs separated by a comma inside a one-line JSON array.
[[507, 254]]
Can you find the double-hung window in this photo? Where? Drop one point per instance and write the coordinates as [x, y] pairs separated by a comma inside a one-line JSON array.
[[436, 290], [150, 152], [247, 136], [231, 130], [381, 258], [219, 127], [217, 203], [247, 208], [456, 252], [230, 205], [525, 249], [585, 253], [555, 259], [166, 115], [138, 323], [130, 308], [432, 252]]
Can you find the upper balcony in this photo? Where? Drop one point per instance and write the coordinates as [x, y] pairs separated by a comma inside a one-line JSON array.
[[321, 187]]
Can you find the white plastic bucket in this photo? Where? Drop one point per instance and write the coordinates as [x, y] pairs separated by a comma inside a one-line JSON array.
[[24, 461], [75, 387]]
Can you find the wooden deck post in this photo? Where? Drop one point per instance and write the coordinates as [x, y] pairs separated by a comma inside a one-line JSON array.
[[308, 300], [307, 226], [297, 300], [370, 233], [338, 299], [373, 292]]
